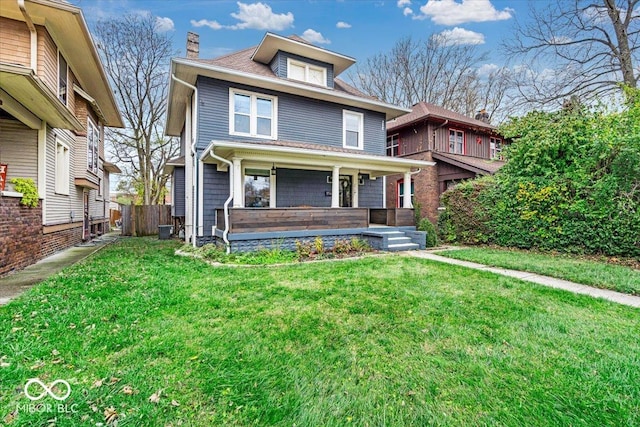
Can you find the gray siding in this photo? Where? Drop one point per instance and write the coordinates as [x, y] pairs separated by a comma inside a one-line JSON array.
[[178, 192], [370, 194], [302, 188], [299, 119], [279, 65], [216, 192]]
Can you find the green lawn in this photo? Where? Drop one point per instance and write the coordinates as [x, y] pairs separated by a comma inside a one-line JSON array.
[[585, 271], [381, 341]]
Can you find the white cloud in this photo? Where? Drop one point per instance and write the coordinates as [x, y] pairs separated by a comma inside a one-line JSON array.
[[312, 36], [164, 24], [459, 36], [450, 12], [259, 16], [402, 3], [407, 11], [343, 24], [205, 23], [485, 70]]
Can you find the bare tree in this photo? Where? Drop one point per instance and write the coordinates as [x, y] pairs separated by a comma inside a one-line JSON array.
[[585, 48], [436, 71], [136, 57]]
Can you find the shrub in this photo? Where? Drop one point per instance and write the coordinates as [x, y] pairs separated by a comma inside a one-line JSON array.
[[360, 245], [430, 229], [318, 244], [303, 249], [27, 187]]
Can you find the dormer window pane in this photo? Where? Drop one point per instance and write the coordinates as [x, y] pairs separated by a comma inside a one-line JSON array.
[[296, 71], [316, 76], [304, 72]]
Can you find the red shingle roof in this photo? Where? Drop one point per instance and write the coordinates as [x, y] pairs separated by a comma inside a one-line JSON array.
[[424, 110], [474, 164]]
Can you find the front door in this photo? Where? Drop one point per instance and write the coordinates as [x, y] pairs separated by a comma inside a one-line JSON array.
[[345, 191], [86, 232]]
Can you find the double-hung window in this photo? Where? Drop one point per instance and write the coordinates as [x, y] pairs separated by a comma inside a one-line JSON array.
[[393, 143], [495, 146], [62, 79], [253, 114], [62, 168], [353, 130], [93, 142], [456, 141]]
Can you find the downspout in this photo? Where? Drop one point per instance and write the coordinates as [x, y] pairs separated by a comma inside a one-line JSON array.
[[34, 35], [446, 122], [411, 174], [194, 155], [225, 233]]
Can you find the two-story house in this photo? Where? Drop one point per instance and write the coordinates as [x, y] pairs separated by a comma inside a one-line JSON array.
[[275, 147], [462, 147], [54, 103]]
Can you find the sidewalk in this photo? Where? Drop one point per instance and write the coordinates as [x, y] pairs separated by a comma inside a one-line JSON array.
[[620, 298], [14, 284]]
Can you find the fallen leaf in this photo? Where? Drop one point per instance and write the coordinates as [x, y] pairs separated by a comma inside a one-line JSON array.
[[155, 397], [10, 417], [127, 390], [174, 403], [4, 364], [110, 415], [55, 352], [37, 366], [72, 326], [97, 383], [56, 361], [14, 330], [113, 380]]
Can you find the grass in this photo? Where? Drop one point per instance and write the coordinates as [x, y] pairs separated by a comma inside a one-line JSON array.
[[380, 341], [585, 271]]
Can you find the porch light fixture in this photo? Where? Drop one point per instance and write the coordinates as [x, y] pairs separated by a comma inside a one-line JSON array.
[[273, 170]]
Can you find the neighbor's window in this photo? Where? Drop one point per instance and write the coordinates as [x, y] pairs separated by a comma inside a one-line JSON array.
[[62, 78], [253, 114], [456, 141], [353, 129], [257, 188], [495, 147], [298, 70], [393, 144], [93, 142], [401, 193], [62, 168]]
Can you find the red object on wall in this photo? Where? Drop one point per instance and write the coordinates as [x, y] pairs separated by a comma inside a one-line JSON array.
[[3, 176], [479, 139]]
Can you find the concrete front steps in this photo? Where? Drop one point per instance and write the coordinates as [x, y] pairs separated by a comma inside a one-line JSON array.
[[395, 240]]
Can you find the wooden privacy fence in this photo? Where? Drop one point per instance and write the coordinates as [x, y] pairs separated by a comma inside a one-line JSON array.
[[144, 220]]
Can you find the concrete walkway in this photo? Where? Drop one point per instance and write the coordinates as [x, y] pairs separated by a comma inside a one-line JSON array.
[[620, 298], [16, 283]]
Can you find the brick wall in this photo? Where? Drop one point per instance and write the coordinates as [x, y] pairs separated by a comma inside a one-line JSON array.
[[54, 242], [20, 234]]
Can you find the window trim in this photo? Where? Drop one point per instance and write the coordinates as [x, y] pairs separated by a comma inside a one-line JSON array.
[[495, 147], [93, 168], [61, 183], [306, 66], [464, 141], [253, 114], [360, 116]]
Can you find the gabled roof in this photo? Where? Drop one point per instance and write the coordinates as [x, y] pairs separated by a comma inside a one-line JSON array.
[[239, 67], [424, 111], [69, 30], [473, 164]]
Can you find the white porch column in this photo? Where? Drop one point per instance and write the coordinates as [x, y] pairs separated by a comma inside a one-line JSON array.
[[238, 194], [407, 191], [335, 187], [272, 191], [355, 185]]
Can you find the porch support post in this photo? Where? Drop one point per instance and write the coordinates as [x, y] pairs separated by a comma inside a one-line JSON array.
[[238, 197], [335, 187], [355, 185], [406, 203]]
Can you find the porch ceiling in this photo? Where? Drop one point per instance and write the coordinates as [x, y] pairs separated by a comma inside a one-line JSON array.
[[313, 159]]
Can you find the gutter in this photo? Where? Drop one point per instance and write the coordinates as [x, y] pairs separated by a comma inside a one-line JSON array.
[[33, 33], [194, 156], [446, 122], [225, 233]]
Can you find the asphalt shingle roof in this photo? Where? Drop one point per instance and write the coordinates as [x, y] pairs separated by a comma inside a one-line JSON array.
[[425, 110]]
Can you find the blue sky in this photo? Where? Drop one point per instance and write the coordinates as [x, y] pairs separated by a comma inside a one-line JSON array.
[[358, 28]]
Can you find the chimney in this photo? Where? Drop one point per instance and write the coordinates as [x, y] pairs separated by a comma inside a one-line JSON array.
[[193, 45]]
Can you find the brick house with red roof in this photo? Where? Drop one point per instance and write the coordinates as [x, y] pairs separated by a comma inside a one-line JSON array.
[[462, 147]]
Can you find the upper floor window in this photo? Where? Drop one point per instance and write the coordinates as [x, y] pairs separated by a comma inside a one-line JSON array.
[[93, 142], [353, 129], [456, 141], [495, 146], [62, 78], [252, 114], [62, 168], [393, 142], [304, 72]]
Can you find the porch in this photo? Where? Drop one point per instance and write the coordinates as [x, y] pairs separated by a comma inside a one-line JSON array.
[[255, 228]]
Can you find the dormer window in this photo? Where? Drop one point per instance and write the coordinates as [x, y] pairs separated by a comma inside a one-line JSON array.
[[304, 72]]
